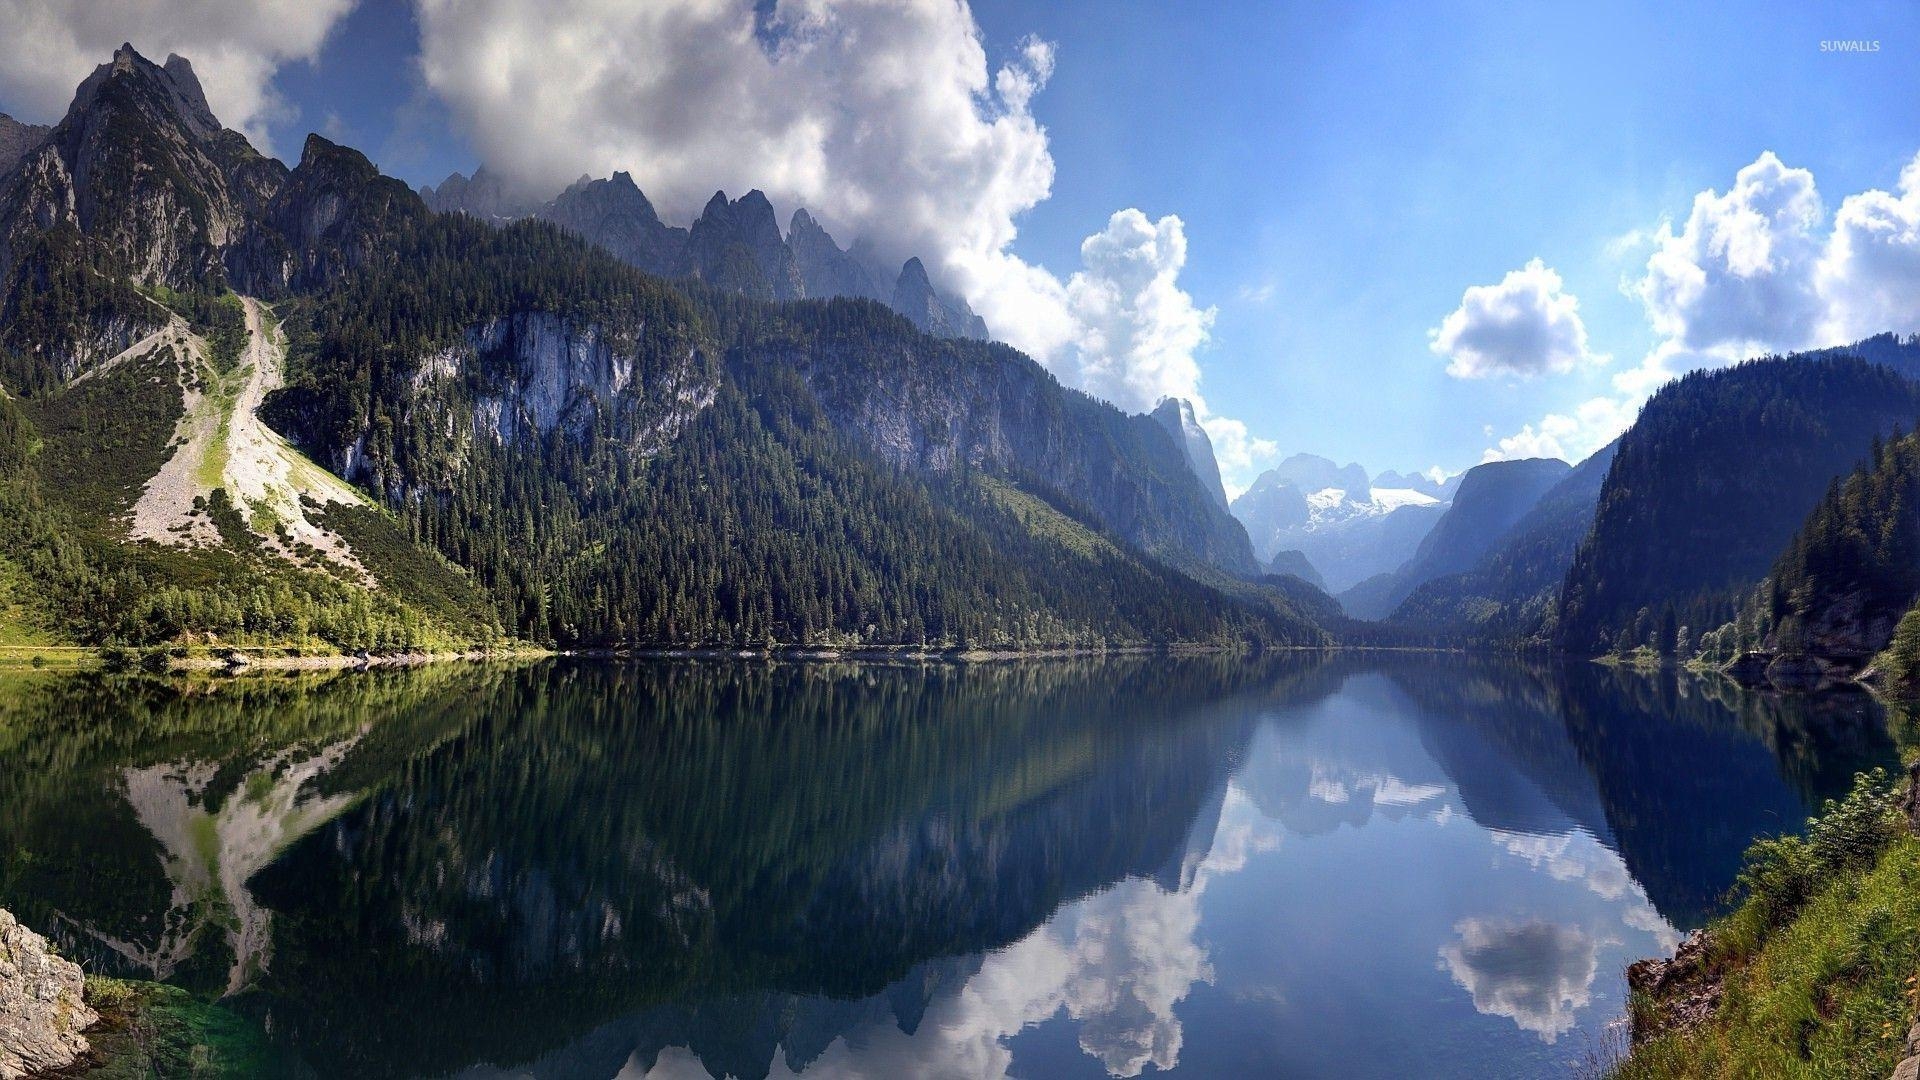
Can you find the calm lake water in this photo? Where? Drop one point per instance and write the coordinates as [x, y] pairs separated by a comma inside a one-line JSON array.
[[1341, 866]]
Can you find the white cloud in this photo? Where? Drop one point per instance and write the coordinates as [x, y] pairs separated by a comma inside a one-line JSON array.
[[1569, 436], [1526, 325], [1869, 274], [1538, 974], [236, 47], [1754, 270], [1738, 277], [1137, 330]]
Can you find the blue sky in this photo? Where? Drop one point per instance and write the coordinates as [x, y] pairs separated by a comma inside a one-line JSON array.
[[1343, 172]]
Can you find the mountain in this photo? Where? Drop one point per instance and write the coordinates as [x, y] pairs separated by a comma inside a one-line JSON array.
[[1347, 526], [1833, 598], [1177, 417], [1296, 564], [1491, 498], [1709, 485], [827, 270], [1420, 482], [619, 218], [487, 196], [734, 245], [17, 139], [410, 429], [1511, 592]]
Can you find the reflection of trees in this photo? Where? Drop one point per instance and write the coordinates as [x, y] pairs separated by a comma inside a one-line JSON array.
[[599, 838], [1691, 771], [131, 803]]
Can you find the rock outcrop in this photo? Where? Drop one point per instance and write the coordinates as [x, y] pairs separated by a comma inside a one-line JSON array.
[[17, 139], [42, 1013], [1177, 416]]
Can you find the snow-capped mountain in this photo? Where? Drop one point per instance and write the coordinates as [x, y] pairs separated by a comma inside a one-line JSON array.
[[1347, 527]]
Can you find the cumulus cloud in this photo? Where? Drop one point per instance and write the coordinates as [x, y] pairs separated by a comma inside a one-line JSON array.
[[1570, 436], [1535, 973], [1526, 325], [236, 47], [1752, 270], [1869, 274], [1136, 329]]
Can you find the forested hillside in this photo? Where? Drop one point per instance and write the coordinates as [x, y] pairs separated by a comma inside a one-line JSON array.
[[1709, 486], [1836, 593], [552, 445]]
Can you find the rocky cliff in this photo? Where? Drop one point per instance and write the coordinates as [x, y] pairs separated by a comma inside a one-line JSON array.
[[42, 1011]]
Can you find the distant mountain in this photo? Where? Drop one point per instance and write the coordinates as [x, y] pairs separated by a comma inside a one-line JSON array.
[[615, 214], [16, 139], [1491, 498], [1176, 415], [1709, 485], [1347, 526], [416, 430], [1511, 592], [1296, 564], [734, 245], [1420, 482]]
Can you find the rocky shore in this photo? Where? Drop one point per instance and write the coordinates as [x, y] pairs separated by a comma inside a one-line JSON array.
[[42, 1004]]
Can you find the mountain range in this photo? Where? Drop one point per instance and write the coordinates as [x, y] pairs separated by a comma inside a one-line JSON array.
[[253, 403], [247, 403], [734, 244]]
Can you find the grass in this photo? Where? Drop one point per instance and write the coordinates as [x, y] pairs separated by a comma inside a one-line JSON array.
[[1820, 965], [1042, 519]]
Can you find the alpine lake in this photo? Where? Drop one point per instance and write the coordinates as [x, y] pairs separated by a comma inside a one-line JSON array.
[[1305, 865]]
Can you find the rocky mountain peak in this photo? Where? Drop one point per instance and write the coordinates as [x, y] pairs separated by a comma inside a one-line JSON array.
[[914, 296], [1177, 416], [736, 245]]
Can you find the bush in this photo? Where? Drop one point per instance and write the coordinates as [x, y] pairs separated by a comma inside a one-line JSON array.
[[1783, 872]]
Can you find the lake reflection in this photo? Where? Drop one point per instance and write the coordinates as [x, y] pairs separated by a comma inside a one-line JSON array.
[[1295, 866]]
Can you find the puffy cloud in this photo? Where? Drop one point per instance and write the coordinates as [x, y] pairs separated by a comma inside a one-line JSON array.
[[883, 118], [1869, 274], [1526, 325], [1569, 436], [1755, 270], [1535, 973], [236, 47], [1738, 277], [1137, 330]]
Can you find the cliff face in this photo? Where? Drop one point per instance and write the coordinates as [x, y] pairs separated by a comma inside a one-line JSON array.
[[41, 1011], [946, 405]]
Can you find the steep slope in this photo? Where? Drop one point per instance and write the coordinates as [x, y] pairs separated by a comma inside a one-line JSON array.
[[1177, 417], [619, 218], [1709, 485], [1296, 564], [944, 405], [1510, 592], [1835, 594], [1490, 500]]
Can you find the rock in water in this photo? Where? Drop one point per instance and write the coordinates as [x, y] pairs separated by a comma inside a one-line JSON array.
[[41, 1011]]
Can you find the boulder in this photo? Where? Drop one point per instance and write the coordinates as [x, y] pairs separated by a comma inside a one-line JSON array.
[[41, 1009]]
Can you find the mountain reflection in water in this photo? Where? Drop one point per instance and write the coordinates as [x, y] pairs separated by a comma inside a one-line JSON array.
[[1303, 865]]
